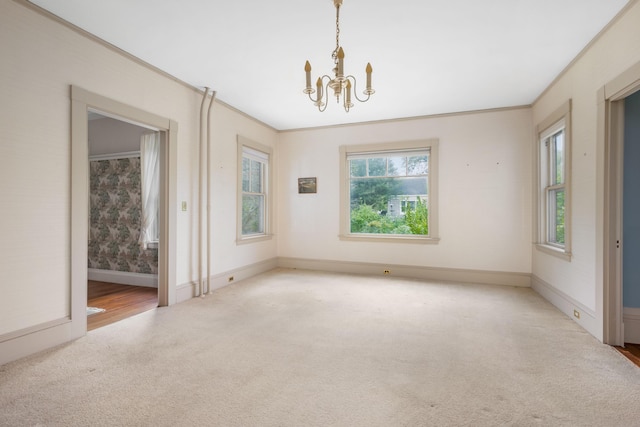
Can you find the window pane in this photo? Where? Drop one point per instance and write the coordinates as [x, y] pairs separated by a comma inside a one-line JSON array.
[[556, 216], [557, 155], [417, 165], [246, 165], [377, 166], [252, 214], [256, 177], [397, 166], [389, 205], [358, 167]]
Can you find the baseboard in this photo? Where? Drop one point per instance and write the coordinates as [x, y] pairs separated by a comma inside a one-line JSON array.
[[123, 277], [191, 289], [631, 320], [566, 304], [18, 344], [415, 272]]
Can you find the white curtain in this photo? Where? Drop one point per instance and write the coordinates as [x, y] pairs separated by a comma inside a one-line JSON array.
[[150, 179]]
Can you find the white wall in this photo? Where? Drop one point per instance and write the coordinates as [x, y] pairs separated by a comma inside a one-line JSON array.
[[41, 60], [484, 192], [614, 52]]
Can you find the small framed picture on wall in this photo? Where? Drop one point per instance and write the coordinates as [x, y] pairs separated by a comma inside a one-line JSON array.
[[307, 185]]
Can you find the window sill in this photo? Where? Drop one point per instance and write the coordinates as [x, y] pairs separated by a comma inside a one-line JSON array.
[[551, 250], [254, 239], [389, 238]]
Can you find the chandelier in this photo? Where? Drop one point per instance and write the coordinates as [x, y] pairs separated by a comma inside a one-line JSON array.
[[340, 84]]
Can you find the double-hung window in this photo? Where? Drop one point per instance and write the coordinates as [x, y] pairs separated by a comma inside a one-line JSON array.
[[554, 202], [253, 195], [389, 191]]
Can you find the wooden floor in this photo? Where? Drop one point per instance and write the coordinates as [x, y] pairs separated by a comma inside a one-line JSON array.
[[119, 301], [632, 352]]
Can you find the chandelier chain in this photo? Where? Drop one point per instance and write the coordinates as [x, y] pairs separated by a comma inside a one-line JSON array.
[[334, 55]]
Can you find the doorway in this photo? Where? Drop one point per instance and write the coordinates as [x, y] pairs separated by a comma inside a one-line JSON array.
[[618, 111], [122, 266], [82, 102], [630, 225]]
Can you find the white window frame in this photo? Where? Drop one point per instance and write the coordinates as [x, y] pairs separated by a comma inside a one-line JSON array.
[[557, 121], [432, 185], [256, 151]]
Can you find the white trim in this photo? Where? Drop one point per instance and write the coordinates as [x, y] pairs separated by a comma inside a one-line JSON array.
[[559, 119], [610, 144], [264, 154], [123, 277], [552, 250], [220, 280], [566, 304], [22, 343], [81, 101], [347, 152], [409, 271], [114, 156]]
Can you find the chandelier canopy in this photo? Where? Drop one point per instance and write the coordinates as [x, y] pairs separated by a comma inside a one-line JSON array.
[[340, 84]]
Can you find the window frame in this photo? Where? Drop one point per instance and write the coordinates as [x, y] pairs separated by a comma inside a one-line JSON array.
[[432, 185], [250, 145], [559, 120]]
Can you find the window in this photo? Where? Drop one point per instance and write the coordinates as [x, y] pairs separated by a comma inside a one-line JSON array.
[[554, 183], [253, 191], [389, 191]]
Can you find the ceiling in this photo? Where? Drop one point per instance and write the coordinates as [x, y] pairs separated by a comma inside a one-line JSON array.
[[428, 56]]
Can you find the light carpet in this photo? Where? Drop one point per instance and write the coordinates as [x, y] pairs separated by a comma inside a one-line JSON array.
[[301, 348]]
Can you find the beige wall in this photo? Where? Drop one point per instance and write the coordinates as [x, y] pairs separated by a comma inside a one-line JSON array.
[[614, 52], [484, 192], [42, 59]]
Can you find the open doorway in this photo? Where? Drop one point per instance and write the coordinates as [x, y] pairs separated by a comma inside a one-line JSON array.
[[82, 103], [123, 197], [630, 226], [619, 125]]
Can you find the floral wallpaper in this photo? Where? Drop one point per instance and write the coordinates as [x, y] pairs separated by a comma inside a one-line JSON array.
[[115, 218]]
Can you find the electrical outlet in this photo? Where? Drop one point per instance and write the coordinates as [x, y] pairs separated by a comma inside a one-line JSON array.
[[230, 279], [387, 271], [576, 314]]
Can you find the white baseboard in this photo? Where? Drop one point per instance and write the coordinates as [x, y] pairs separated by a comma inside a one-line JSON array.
[[123, 277], [566, 304], [22, 343], [631, 320], [415, 272], [191, 290]]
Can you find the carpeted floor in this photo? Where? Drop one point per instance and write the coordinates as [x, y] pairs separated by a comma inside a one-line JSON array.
[[300, 348]]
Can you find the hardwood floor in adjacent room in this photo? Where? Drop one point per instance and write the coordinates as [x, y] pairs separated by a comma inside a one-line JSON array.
[[119, 301], [632, 352]]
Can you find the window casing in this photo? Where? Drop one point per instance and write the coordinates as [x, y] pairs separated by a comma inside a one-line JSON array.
[[254, 183], [554, 178], [389, 192]]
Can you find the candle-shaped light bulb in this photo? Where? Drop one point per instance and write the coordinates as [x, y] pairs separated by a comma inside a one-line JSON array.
[[319, 88], [307, 69], [369, 69], [340, 62]]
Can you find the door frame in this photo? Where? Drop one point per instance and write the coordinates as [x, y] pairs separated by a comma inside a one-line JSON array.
[[81, 102], [609, 197]]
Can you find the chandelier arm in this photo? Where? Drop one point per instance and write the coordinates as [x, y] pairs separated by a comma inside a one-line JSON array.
[[355, 92], [321, 108], [314, 91]]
